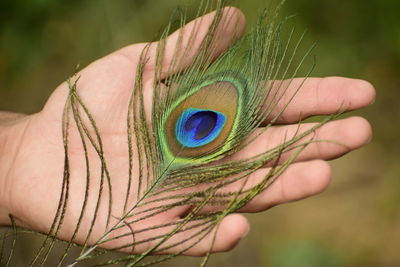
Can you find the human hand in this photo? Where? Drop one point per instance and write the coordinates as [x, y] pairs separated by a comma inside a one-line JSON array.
[[32, 152]]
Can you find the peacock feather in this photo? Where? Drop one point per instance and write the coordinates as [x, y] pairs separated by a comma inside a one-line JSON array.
[[204, 109]]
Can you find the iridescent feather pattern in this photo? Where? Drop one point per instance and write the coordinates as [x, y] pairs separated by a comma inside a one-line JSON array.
[[181, 152]]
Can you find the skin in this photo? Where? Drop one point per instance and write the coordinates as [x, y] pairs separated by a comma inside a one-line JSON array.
[[32, 154]]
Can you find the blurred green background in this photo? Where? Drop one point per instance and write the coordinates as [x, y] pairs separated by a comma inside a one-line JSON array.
[[356, 222]]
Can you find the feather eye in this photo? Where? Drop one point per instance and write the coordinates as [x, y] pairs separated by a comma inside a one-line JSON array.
[[202, 122], [198, 127]]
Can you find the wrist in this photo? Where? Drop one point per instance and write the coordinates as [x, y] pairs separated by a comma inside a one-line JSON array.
[[12, 128]]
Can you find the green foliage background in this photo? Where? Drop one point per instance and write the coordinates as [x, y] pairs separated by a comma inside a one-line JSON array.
[[355, 223]]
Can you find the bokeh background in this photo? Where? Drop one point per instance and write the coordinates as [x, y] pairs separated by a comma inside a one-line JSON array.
[[356, 222]]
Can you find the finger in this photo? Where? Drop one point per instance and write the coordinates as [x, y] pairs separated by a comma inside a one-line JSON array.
[[336, 139], [184, 43], [228, 234], [298, 181], [317, 96], [195, 238]]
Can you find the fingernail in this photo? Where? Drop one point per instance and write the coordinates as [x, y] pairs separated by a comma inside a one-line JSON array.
[[370, 139], [373, 101], [246, 233]]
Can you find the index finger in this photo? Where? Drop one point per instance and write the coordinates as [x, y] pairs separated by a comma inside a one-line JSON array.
[[181, 47]]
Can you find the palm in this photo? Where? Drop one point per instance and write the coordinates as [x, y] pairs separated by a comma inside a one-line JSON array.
[[105, 86]]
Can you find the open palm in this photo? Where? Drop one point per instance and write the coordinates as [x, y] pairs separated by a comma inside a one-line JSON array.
[[31, 180]]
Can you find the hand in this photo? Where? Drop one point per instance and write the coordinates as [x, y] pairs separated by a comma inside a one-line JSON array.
[[32, 152]]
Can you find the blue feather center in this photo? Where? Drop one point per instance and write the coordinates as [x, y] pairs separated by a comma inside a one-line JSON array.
[[198, 127]]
